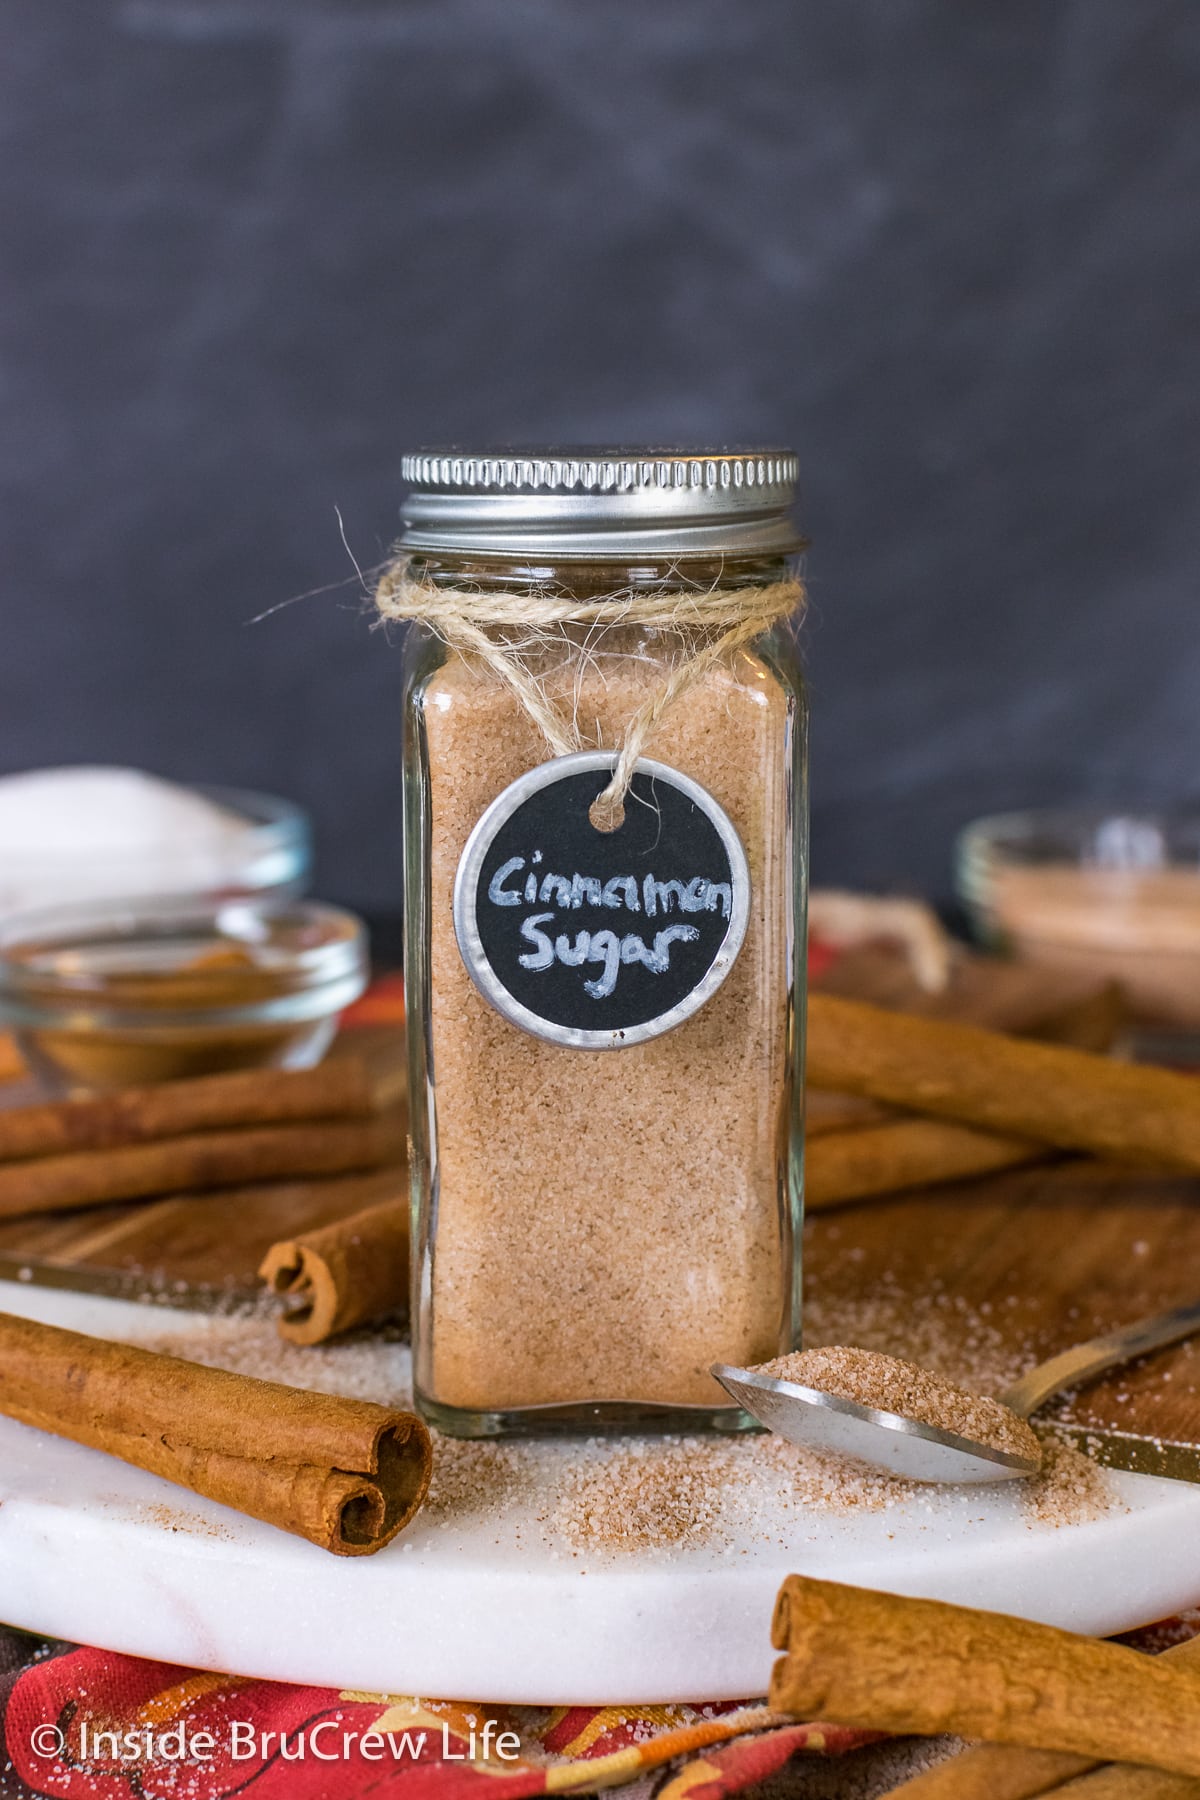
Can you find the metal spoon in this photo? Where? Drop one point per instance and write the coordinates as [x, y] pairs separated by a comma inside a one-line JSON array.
[[905, 1446]]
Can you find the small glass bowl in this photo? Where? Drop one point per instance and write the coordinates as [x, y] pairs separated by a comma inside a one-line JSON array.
[[1111, 895], [123, 993], [272, 857]]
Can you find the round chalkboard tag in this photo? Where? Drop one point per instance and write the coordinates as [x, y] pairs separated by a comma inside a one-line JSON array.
[[600, 939]]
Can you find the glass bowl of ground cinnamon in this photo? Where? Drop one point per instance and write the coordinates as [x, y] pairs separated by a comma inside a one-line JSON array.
[[122, 993]]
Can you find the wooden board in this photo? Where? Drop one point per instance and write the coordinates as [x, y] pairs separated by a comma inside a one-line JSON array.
[[1044, 1256], [196, 1250], [200, 1249], [1007, 1271]]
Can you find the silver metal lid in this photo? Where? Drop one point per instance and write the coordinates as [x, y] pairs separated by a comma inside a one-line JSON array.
[[618, 503]]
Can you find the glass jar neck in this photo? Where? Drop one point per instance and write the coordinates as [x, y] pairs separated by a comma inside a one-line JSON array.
[[590, 580]]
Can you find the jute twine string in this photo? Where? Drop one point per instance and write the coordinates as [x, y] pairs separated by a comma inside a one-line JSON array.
[[509, 631]]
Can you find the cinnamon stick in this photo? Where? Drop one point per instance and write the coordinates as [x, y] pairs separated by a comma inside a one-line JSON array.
[[997, 1772], [825, 1112], [841, 1166], [209, 1159], [1006, 1772], [1120, 1781], [12, 1068], [1070, 1098], [341, 1275], [1087, 1023], [985, 1773], [346, 1474], [339, 1088], [886, 1662]]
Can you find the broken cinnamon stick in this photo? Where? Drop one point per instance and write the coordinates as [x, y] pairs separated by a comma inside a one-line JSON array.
[[1127, 1112], [209, 1159], [886, 1662], [346, 1474], [341, 1275], [1006, 1772], [339, 1088], [842, 1166]]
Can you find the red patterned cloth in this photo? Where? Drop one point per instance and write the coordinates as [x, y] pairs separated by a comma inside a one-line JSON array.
[[91, 1725]]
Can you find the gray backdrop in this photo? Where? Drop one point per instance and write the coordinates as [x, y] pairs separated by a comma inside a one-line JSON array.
[[253, 249]]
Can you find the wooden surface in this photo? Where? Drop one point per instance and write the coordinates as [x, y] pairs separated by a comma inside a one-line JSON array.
[[1001, 1273], [189, 1250], [1027, 1262], [200, 1249], [997, 1274]]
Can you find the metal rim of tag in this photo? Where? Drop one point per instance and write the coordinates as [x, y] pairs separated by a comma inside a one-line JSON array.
[[466, 884]]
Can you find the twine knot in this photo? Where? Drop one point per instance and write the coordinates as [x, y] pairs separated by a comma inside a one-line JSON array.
[[507, 630]]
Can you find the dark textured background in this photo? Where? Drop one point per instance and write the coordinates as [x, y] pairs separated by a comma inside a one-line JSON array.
[[253, 249]]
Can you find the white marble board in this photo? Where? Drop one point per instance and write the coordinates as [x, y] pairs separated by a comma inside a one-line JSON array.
[[488, 1607]]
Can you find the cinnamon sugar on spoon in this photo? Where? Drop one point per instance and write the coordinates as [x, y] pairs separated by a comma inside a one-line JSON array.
[[888, 1384]]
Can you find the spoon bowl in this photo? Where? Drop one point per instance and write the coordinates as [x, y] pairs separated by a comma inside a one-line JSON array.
[[906, 1446], [886, 1440]]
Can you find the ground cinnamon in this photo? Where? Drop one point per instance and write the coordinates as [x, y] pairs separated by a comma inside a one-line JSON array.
[[1070, 1098], [887, 1662], [1138, 926], [346, 1474], [207, 1159], [340, 1275], [339, 1088], [133, 1003]]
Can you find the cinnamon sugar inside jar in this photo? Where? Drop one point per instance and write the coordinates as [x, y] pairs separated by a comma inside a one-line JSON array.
[[605, 860]]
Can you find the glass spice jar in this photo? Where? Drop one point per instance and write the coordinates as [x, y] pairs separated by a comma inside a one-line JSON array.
[[604, 952]]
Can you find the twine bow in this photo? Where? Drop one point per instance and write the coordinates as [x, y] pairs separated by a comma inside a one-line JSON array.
[[506, 629]]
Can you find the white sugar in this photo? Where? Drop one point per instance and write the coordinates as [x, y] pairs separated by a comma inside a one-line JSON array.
[[84, 832]]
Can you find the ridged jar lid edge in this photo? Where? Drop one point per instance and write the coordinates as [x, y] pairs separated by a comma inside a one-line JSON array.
[[610, 503]]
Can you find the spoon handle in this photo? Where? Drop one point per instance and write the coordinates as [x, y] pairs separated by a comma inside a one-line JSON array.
[[1098, 1354]]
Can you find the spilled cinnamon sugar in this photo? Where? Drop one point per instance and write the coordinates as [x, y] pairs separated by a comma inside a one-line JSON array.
[[599, 1496]]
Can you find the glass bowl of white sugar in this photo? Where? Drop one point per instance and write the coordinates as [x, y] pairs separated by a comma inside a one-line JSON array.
[[78, 834]]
